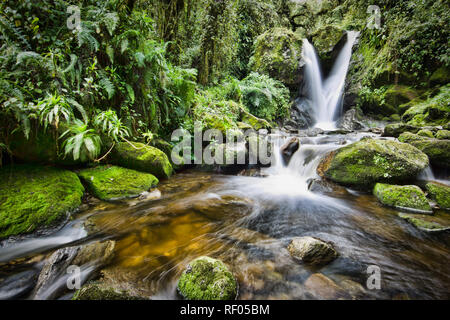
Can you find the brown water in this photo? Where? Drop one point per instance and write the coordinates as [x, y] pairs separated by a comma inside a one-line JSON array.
[[248, 222]]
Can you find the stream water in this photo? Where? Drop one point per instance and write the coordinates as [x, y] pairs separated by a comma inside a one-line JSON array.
[[248, 222]]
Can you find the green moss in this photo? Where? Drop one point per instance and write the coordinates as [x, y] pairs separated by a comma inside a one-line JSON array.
[[443, 135], [423, 223], [402, 197], [325, 40], [396, 129], [440, 193], [277, 54], [97, 291], [368, 161], [437, 150], [254, 122], [440, 76], [207, 279], [32, 197], [112, 183], [143, 158], [426, 133]]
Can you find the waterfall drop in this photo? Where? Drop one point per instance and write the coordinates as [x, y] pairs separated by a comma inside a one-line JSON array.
[[325, 95]]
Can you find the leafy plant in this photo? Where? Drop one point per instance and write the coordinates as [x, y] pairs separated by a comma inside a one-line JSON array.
[[81, 142]]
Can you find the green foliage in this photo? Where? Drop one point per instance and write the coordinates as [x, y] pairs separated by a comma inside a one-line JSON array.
[[81, 142]]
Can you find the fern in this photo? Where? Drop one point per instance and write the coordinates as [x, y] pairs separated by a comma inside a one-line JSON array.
[[81, 142]]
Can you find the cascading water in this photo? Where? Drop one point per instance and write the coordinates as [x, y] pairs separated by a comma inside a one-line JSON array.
[[326, 95]]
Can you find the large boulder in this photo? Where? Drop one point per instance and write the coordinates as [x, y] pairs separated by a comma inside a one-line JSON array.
[[437, 150], [36, 197], [402, 197], [312, 251], [327, 40], [206, 278], [141, 157], [277, 54], [113, 183], [368, 161], [440, 193]]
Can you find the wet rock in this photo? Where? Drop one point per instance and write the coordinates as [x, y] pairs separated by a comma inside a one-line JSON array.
[[402, 197], [443, 135], [33, 198], [440, 193], [425, 133], [100, 291], [427, 223], [140, 157], [312, 251], [96, 254], [217, 207], [354, 289], [322, 287], [349, 121], [326, 187], [206, 278], [396, 129], [289, 148], [114, 183], [368, 161], [254, 172]]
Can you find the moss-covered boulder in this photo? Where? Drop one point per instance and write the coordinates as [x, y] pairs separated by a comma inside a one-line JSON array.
[[277, 54], [100, 291], [34, 197], [366, 162], [443, 135], [325, 40], [206, 278], [441, 76], [440, 193], [426, 222], [113, 183], [255, 122], [426, 133], [437, 150], [312, 251], [402, 197], [396, 129], [141, 157]]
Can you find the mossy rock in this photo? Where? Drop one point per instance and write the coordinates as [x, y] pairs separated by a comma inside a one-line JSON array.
[[141, 157], [34, 197], [427, 223], [440, 193], [366, 162], [326, 39], [99, 291], [396, 129], [206, 278], [440, 76], [277, 54], [402, 197], [437, 150], [425, 133], [113, 183], [443, 135], [255, 122], [397, 95]]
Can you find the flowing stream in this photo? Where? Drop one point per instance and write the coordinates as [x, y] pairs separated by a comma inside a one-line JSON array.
[[248, 221]]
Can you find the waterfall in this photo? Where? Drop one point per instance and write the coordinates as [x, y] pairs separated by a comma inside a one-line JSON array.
[[326, 94]]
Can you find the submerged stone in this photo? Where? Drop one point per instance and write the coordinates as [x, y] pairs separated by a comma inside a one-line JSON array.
[[141, 157], [312, 251], [440, 193], [402, 197], [206, 278], [34, 197], [322, 287], [425, 223], [368, 161], [112, 183]]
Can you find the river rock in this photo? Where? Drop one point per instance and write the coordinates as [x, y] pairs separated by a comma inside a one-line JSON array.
[[99, 291], [443, 135], [368, 161], [289, 148], [206, 278], [141, 157], [322, 287], [35, 197], [402, 197], [113, 183], [427, 223], [440, 193], [312, 251], [396, 129], [437, 150], [349, 121], [98, 254]]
